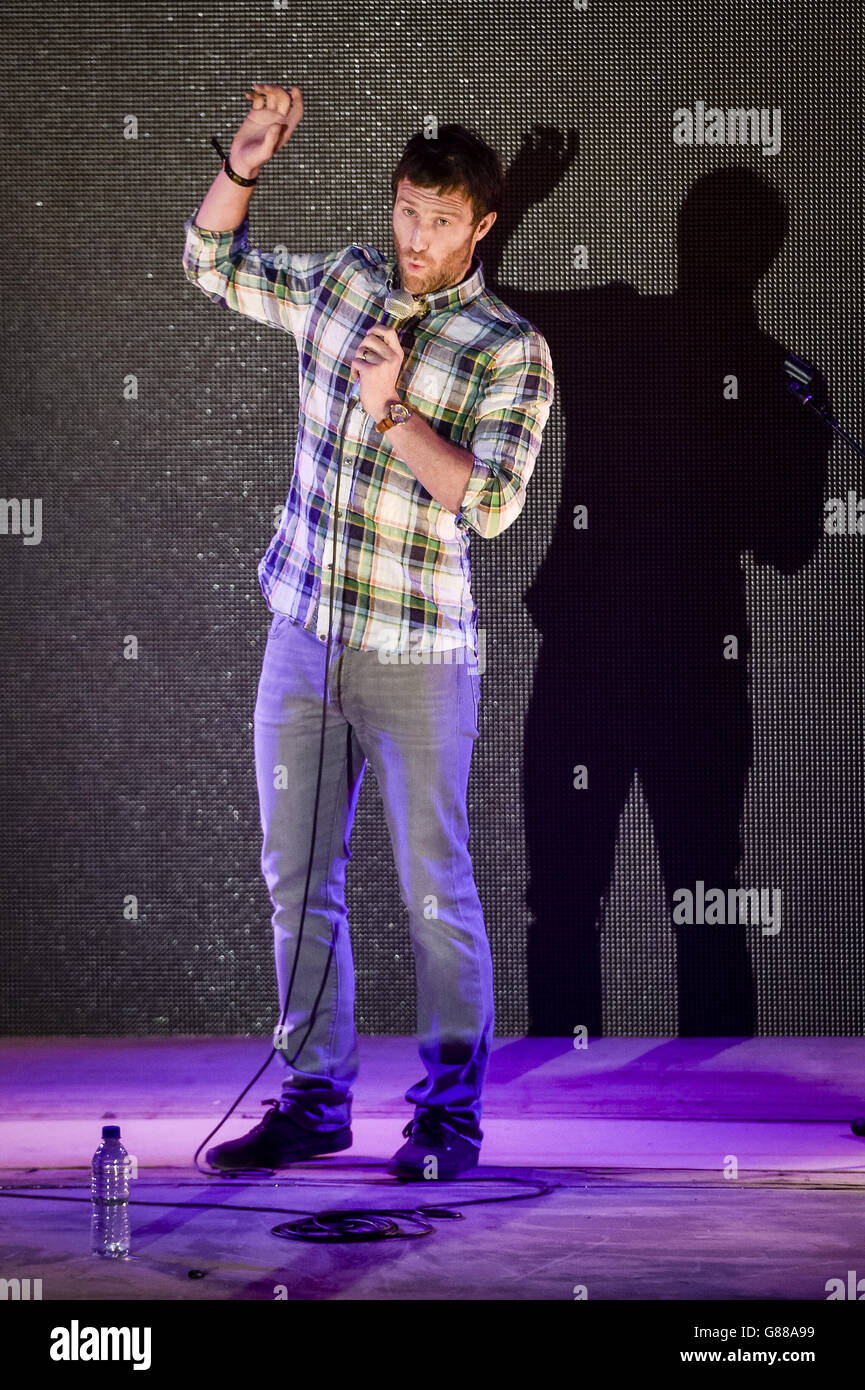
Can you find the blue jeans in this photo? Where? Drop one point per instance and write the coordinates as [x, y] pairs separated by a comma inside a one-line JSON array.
[[416, 723]]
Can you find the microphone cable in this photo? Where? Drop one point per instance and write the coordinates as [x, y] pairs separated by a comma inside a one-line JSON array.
[[396, 304], [279, 1031]]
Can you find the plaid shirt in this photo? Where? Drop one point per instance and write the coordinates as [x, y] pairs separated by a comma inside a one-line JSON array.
[[477, 372]]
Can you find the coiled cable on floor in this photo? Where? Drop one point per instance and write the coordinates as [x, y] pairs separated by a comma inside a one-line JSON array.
[[351, 1225]]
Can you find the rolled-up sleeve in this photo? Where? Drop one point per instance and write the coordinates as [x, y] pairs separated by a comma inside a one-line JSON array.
[[512, 410], [276, 289]]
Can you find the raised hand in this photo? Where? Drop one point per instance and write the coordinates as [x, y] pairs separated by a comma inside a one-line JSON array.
[[271, 121]]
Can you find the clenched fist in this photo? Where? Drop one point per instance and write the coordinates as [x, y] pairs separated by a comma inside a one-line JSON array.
[[271, 120]]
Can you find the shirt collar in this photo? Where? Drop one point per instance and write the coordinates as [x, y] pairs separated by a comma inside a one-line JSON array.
[[449, 299]]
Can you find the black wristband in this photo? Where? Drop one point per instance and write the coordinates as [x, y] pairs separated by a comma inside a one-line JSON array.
[[236, 178]]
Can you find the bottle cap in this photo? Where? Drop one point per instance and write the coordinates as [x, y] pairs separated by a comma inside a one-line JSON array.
[[110, 1131]]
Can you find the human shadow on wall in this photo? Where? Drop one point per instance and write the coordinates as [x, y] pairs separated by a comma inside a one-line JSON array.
[[640, 600]]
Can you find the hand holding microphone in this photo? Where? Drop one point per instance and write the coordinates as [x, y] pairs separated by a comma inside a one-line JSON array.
[[377, 365], [378, 361]]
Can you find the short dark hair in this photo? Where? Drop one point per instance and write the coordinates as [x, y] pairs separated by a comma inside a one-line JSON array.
[[457, 160]]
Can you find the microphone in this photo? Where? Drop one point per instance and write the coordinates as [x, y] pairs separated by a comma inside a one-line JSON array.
[[405, 310], [401, 304], [800, 375], [802, 381]]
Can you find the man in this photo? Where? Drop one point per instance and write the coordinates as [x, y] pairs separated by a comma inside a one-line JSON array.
[[407, 441]]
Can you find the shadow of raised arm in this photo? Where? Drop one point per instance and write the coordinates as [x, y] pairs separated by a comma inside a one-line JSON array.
[[540, 164]]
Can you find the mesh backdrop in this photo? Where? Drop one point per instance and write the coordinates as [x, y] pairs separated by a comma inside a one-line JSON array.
[[158, 430]]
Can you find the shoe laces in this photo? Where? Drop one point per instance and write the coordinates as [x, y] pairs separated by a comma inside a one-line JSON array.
[[265, 1121], [429, 1126]]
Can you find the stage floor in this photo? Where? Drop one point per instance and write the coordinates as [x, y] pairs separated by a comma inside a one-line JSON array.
[[638, 1136]]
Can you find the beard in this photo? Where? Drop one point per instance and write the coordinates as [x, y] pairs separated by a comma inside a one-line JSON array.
[[435, 277]]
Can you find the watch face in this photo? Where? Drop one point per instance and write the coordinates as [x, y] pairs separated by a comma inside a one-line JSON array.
[[399, 413]]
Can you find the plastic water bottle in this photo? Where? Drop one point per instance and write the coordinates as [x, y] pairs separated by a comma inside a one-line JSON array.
[[109, 1194]]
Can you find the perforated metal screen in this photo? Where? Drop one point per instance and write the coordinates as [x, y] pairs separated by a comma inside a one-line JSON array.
[[158, 431]]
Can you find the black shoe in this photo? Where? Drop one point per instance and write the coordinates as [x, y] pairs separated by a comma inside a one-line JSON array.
[[430, 1137], [275, 1142]]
